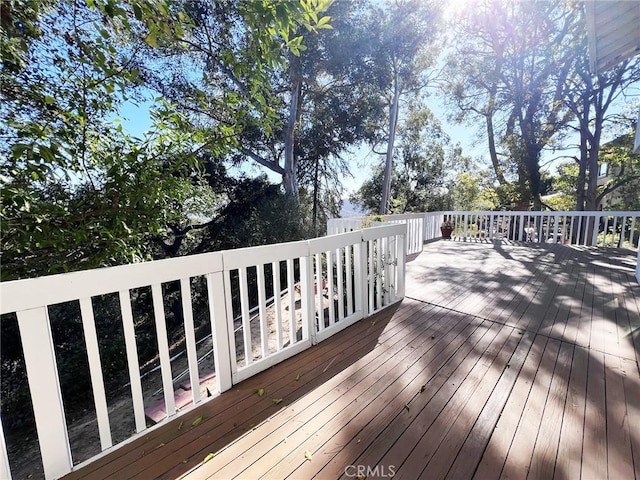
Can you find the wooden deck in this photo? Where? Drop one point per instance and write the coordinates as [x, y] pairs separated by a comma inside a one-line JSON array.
[[503, 361]]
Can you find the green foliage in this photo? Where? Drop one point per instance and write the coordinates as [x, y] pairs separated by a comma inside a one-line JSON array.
[[425, 167], [101, 214], [78, 191], [257, 213], [507, 73], [474, 191], [339, 104], [623, 181]]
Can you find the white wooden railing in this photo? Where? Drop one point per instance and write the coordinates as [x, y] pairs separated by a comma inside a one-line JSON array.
[[420, 226], [336, 281], [616, 229], [597, 229], [601, 229]]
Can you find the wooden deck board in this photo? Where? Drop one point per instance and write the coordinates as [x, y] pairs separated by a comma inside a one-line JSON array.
[[548, 435], [476, 442], [569, 457], [619, 454], [367, 429], [594, 457], [519, 457], [352, 376], [504, 361], [459, 419], [335, 404], [394, 391]]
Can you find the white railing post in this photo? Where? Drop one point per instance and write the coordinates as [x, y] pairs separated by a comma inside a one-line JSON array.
[[163, 349], [307, 299], [520, 226], [360, 277], [95, 369], [190, 339], [42, 375], [400, 260], [466, 222], [218, 312], [638, 267], [132, 360], [366, 260], [596, 228], [623, 227]]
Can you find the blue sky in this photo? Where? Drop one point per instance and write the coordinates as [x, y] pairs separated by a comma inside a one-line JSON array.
[[135, 119]]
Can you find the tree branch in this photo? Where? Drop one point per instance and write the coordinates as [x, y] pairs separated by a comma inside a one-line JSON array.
[[274, 167]]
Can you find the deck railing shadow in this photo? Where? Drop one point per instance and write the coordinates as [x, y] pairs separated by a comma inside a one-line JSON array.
[[265, 304], [217, 424], [557, 389]]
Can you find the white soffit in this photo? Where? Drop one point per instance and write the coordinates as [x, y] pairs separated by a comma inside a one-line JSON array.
[[613, 28]]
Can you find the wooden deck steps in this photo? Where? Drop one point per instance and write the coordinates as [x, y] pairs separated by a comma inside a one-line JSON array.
[[504, 361]]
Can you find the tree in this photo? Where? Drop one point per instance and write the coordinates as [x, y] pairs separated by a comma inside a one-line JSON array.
[[407, 30], [623, 173], [76, 186], [426, 164], [591, 97], [339, 103], [509, 69], [235, 72], [473, 190], [619, 178]]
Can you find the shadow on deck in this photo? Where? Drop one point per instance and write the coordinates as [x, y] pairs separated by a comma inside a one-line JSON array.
[[503, 360]]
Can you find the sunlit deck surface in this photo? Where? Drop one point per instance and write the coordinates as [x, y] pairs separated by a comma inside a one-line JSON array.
[[504, 360]]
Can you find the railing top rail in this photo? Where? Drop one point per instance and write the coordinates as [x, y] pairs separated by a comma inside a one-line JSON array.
[[322, 244], [384, 231], [603, 213], [404, 215], [26, 294], [30, 293], [245, 257]]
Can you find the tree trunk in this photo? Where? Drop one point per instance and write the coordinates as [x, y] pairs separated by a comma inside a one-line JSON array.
[[492, 150], [393, 120], [290, 175], [582, 173], [592, 186], [316, 189]]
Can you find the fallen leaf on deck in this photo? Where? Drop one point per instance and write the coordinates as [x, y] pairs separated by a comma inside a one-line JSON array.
[[208, 457], [298, 376], [198, 421], [307, 455], [159, 446], [276, 400], [423, 388], [180, 426], [260, 392]]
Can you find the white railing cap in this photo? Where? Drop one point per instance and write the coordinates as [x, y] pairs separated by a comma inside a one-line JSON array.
[[51, 289]]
